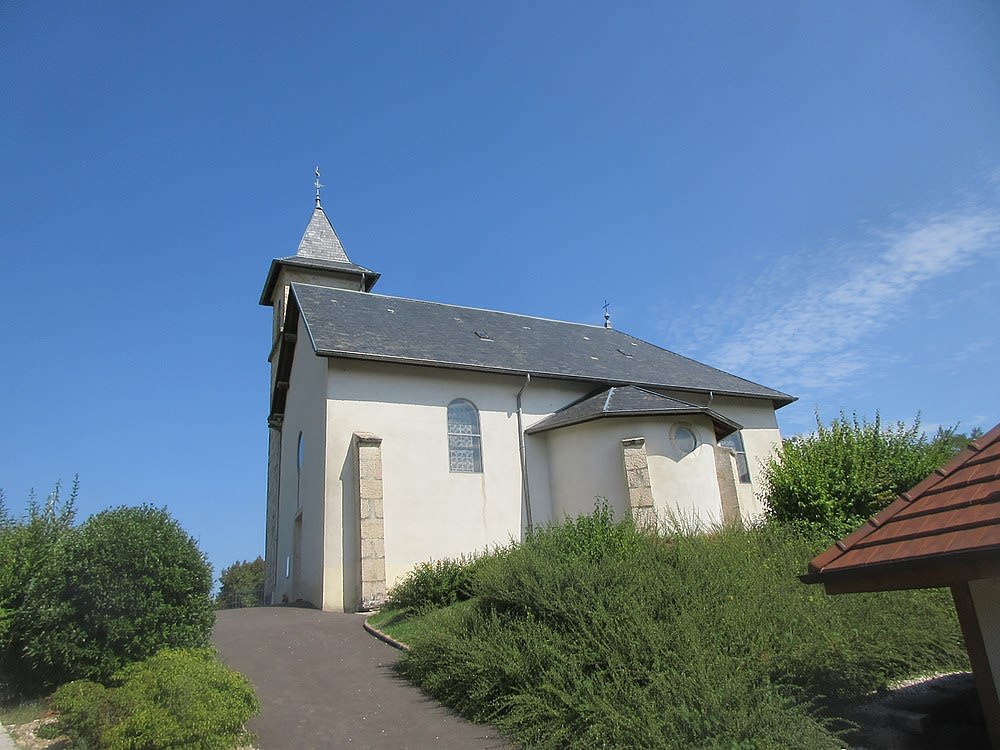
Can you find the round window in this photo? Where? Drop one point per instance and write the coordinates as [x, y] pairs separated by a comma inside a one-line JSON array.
[[685, 440]]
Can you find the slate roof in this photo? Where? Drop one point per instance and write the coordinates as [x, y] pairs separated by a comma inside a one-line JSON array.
[[945, 529], [320, 240], [362, 325], [629, 401]]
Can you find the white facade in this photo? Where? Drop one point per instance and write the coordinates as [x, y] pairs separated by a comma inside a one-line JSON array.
[[431, 512]]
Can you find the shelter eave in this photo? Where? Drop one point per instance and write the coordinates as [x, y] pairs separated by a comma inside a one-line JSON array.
[[932, 571]]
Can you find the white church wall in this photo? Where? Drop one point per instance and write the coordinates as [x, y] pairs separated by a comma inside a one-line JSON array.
[[585, 462], [761, 438], [685, 487], [302, 489], [429, 511]]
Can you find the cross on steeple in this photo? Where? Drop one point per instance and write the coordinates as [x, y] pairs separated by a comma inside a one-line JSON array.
[[318, 186]]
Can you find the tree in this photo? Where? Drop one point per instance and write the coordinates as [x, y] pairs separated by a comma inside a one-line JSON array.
[[26, 545], [115, 590], [242, 585], [833, 480]]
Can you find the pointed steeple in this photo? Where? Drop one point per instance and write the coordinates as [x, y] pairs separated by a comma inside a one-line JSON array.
[[319, 259], [320, 240]]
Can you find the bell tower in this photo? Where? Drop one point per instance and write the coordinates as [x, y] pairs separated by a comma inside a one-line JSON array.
[[320, 259]]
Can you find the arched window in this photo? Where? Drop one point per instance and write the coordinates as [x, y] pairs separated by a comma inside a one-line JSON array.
[[735, 443], [465, 447]]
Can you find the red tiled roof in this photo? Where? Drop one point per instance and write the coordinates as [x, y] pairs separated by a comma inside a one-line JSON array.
[[945, 529]]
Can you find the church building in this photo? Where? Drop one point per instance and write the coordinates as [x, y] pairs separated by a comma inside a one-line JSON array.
[[402, 431]]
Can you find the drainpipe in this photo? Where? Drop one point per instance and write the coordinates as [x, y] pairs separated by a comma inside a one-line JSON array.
[[524, 460]]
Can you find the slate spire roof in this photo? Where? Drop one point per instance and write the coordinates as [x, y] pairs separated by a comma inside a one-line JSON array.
[[320, 240], [320, 249]]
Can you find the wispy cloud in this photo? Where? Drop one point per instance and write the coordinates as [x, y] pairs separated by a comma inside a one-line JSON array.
[[808, 337]]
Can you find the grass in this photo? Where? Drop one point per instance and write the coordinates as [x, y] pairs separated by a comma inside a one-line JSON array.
[[406, 627], [596, 635], [22, 711]]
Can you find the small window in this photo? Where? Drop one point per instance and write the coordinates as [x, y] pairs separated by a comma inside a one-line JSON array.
[[299, 457], [465, 448], [735, 443], [685, 439]]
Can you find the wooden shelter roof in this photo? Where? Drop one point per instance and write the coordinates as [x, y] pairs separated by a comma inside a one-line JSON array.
[[944, 530]]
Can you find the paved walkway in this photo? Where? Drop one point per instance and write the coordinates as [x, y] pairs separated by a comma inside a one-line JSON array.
[[324, 682]]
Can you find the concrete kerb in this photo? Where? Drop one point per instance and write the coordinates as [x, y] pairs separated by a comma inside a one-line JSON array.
[[384, 637]]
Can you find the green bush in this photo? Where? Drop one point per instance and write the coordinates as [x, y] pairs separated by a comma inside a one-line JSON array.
[[432, 584], [26, 545], [596, 635], [179, 699], [833, 480], [125, 584]]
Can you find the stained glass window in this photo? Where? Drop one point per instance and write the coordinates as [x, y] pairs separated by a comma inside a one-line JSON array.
[[465, 448], [735, 443]]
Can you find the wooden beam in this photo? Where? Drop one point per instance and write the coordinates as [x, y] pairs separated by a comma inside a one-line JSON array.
[[986, 684]]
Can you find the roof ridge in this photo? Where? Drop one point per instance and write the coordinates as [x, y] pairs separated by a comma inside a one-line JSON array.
[[480, 309], [960, 459], [607, 401]]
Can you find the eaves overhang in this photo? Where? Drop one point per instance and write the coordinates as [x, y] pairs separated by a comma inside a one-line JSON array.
[[521, 372], [352, 271], [929, 571]]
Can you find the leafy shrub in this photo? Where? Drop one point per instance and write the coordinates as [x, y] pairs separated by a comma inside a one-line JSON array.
[[833, 480], [596, 635], [432, 584], [242, 585], [26, 545], [125, 584], [182, 699]]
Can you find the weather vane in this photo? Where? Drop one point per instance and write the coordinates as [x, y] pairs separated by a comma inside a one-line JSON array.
[[318, 185], [607, 315]]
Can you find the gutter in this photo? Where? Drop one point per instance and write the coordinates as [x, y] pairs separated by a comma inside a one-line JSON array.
[[524, 460]]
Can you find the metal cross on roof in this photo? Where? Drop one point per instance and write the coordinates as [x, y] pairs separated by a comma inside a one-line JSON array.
[[318, 185]]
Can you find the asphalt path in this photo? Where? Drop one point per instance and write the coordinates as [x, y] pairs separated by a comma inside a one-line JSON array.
[[324, 682]]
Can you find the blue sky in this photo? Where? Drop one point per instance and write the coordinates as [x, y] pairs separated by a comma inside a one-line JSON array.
[[806, 194]]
